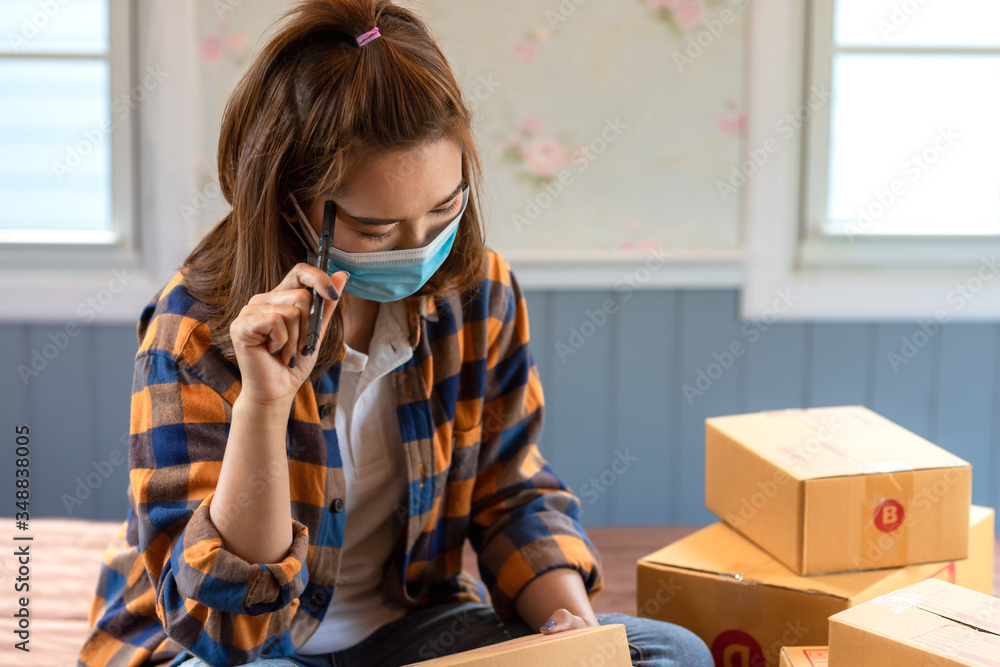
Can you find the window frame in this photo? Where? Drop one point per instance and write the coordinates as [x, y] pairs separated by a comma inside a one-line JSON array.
[[871, 276], [88, 248], [872, 248], [153, 154]]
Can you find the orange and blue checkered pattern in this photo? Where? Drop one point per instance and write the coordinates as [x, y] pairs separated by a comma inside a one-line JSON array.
[[470, 406]]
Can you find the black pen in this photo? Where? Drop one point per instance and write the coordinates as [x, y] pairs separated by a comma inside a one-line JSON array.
[[316, 311]]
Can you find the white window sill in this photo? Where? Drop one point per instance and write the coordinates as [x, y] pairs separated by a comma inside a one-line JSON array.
[[896, 251], [943, 295]]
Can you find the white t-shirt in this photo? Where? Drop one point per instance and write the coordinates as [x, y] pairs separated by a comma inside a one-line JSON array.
[[371, 448]]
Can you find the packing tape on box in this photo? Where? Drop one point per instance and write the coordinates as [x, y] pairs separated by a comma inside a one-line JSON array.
[[894, 604], [887, 508], [729, 600], [884, 466]]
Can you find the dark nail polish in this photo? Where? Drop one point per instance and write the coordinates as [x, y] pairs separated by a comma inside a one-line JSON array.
[[333, 292], [291, 362], [307, 350], [548, 625]]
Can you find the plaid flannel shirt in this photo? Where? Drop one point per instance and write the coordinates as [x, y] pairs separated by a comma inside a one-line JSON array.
[[470, 406]]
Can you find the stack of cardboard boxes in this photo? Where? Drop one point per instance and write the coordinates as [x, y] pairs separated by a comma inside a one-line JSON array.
[[822, 510]]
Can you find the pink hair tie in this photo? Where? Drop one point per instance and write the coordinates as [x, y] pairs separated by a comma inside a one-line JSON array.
[[369, 36]]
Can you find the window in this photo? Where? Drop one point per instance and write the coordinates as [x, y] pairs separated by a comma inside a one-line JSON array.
[[877, 188], [65, 128], [117, 87], [908, 143], [77, 242]]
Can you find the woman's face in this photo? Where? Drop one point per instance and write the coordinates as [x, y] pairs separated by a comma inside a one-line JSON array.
[[398, 201]]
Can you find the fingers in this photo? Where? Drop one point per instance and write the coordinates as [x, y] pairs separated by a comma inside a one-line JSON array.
[[339, 279], [274, 325], [296, 290], [335, 289], [561, 620], [305, 276], [292, 316], [301, 300], [260, 325]]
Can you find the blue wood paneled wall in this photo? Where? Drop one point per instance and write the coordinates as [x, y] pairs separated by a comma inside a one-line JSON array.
[[620, 428]]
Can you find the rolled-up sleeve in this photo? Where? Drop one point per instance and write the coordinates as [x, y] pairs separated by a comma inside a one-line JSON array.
[[525, 521], [217, 605]]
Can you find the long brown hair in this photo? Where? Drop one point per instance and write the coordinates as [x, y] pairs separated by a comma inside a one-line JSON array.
[[311, 107]]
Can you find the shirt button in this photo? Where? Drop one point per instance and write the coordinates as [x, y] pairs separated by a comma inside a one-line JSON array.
[[324, 411], [320, 598], [337, 506]]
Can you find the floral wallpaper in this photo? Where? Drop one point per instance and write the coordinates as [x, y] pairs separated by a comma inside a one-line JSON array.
[[604, 125]]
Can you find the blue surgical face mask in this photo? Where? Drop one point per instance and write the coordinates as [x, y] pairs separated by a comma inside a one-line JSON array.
[[389, 275]]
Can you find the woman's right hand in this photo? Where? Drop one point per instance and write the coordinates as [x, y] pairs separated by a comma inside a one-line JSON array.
[[271, 330]]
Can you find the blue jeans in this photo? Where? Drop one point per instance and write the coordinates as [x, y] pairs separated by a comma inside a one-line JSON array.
[[443, 629]]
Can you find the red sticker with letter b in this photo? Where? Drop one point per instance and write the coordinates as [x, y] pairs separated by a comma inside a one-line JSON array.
[[889, 516], [735, 648]]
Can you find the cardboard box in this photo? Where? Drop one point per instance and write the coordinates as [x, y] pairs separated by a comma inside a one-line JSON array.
[[930, 623], [829, 490], [571, 647], [746, 605], [804, 656]]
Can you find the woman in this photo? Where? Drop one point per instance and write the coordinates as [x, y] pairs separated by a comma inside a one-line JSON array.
[[296, 508]]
